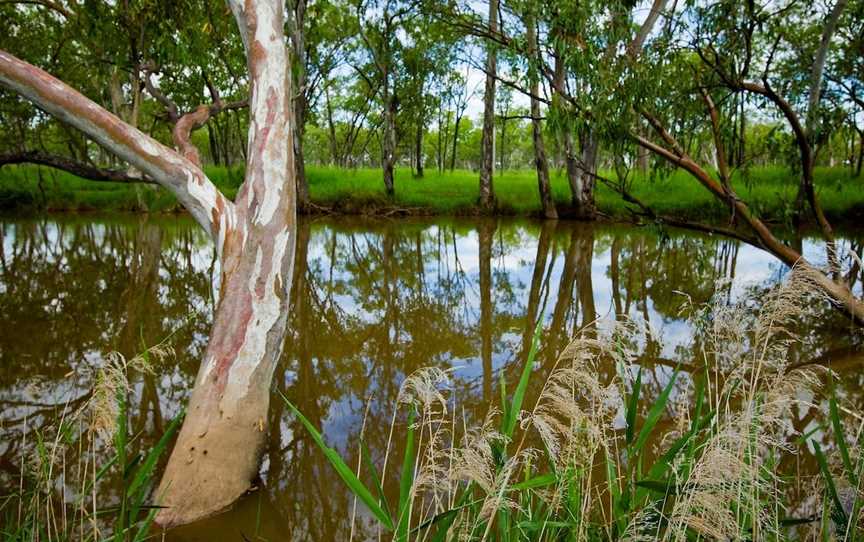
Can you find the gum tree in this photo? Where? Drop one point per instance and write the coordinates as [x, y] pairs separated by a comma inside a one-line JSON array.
[[217, 451]]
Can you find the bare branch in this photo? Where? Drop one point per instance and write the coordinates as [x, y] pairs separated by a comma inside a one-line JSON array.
[[70, 165]]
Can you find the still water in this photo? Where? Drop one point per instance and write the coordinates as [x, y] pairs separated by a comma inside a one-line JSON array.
[[372, 302]]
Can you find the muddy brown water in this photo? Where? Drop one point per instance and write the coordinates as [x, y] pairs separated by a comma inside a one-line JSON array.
[[373, 301]]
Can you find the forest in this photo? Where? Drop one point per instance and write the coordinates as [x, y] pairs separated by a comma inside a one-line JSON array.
[[445, 269]]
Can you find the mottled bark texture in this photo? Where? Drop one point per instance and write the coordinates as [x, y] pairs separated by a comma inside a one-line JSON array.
[[217, 451]]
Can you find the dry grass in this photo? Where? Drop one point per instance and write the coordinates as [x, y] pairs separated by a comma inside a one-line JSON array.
[[569, 470]]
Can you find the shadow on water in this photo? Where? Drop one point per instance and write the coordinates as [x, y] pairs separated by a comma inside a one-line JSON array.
[[372, 302]]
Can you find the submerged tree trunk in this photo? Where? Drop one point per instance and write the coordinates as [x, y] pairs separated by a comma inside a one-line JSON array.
[[546, 202], [487, 140], [217, 451]]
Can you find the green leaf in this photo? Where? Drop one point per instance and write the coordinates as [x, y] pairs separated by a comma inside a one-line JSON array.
[[344, 472], [137, 490], [655, 413], [632, 406], [840, 437], [515, 408], [542, 480], [405, 482], [839, 513]]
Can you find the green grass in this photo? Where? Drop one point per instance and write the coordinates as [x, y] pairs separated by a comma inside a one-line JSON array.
[[715, 477], [770, 191]]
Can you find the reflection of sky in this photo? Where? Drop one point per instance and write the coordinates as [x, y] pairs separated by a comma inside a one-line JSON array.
[[450, 272]]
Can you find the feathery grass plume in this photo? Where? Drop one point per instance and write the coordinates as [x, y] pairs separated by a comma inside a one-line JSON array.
[[112, 380], [55, 500], [724, 494], [711, 476]]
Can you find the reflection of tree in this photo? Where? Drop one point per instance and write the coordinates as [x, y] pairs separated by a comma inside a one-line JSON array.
[[372, 302], [71, 291]]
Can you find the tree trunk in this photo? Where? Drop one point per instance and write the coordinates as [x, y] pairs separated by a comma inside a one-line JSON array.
[[388, 144], [418, 150], [839, 292], [860, 155], [455, 142], [487, 140], [584, 204], [298, 43], [217, 451], [331, 128], [540, 162], [806, 191]]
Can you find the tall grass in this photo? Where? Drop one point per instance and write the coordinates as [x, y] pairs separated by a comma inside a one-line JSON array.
[[769, 190], [588, 459], [61, 494]]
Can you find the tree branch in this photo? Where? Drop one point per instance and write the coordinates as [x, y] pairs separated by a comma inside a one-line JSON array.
[[183, 178], [70, 165]]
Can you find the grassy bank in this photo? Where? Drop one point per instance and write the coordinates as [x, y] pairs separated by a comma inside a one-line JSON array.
[[771, 191]]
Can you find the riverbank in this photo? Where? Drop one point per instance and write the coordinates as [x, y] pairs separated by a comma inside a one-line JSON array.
[[770, 191]]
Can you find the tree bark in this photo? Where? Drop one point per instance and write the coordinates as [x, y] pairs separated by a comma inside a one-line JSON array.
[[418, 151], [388, 144], [298, 44], [546, 202], [217, 451], [487, 139], [585, 206]]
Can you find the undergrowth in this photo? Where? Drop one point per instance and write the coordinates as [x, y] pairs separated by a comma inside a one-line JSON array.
[[588, 460], [60, 499]]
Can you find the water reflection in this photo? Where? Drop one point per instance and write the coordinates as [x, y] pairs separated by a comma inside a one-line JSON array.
[[373, 301]]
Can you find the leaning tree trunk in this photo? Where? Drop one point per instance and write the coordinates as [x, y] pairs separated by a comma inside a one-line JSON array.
[[487, 140], [217, 451], [540, 161]]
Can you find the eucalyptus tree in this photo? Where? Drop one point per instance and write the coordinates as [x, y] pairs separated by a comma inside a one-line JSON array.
[[845, 74], [380, 24], [428, 56], [532, 47], [729, 52], [216, 455], [487, 145], [317, 31]]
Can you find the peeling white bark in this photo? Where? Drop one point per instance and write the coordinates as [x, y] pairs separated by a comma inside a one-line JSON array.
[[157, 161], [217, 451]]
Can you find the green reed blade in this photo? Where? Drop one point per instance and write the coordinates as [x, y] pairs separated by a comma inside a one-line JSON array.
[[344, 472], [512, 414], [655, 413], [406, 480], [632, 407]]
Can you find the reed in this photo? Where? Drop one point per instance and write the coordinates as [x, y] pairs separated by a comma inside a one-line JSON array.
[[588, 460], [61, 495]]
